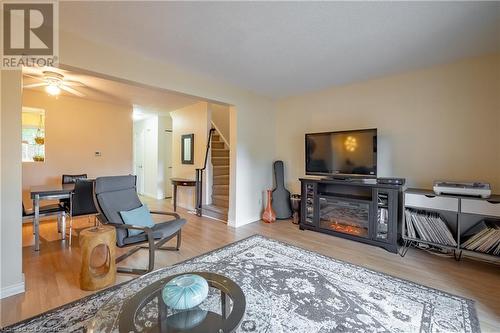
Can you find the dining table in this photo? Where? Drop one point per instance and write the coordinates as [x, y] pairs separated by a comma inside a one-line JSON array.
[[48, 192]]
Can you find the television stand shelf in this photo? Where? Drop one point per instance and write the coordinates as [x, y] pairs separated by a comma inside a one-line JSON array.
[[459, 213], [365, 212]]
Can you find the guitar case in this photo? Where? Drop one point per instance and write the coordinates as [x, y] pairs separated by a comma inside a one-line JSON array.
[[281, 196]]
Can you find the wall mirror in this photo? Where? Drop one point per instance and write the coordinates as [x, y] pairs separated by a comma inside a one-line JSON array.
[[187, 148]]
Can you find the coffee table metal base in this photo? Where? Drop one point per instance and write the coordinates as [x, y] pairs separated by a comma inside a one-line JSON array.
[[148, 302]]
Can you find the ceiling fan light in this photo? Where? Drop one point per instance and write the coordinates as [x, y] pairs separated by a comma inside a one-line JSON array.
[[53, 90]]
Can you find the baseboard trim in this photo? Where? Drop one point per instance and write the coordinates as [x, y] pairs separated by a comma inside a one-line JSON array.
[[12, 290], [241, 224]]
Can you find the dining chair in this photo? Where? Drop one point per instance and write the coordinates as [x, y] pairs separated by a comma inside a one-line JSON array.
[[117, 194], [81, 202], [70, 179]]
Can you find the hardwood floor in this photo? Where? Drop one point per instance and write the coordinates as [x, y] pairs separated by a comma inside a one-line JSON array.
[[52, 274]]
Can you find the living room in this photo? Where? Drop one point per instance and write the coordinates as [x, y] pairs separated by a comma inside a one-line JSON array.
[[425, 76]]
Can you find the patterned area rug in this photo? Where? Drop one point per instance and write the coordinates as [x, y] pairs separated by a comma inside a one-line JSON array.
[[289, 289]]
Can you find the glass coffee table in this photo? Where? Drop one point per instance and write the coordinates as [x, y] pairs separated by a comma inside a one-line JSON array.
[[145, 311]]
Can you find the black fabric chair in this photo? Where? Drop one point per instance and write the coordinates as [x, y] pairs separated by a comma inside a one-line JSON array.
[[118, 193], [70, 179], [81, 203]]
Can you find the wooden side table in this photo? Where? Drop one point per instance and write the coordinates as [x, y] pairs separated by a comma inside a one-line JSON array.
[[180, 182], [97, 242]]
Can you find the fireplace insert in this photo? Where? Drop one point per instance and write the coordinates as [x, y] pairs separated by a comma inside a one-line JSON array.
[[348, 216]]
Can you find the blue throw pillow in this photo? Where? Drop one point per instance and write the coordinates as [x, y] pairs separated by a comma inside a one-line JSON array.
[[138, 216]]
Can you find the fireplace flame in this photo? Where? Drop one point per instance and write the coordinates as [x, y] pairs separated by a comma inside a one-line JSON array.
[[348, 229]]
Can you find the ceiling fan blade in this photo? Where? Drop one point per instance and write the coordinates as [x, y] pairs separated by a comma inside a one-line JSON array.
[[71, 83], [72, 91], [39, 78], [34, 85], [35, 71]]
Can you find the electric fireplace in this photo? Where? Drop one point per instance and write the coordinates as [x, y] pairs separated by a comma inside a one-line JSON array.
[[347, 216], [367, 212]]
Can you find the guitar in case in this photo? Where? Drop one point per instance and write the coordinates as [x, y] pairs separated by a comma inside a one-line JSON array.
[[281, 196]]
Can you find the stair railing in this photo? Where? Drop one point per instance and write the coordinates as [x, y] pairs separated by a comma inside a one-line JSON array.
[[199, 177]]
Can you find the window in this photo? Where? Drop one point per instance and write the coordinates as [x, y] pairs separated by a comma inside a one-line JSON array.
[[33, 135]]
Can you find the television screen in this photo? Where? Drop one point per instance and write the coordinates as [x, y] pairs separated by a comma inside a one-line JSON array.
[[347, 152]]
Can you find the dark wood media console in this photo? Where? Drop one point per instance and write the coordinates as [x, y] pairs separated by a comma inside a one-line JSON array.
[[364, 212]]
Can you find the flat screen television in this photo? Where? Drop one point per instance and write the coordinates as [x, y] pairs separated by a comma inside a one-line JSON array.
[[345, 153]]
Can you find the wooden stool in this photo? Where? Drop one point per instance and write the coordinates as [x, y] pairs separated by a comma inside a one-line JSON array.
[[97, 241]]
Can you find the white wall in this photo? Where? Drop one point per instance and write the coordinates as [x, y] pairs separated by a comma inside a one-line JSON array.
[[437, 123], [11, 277], [219, 115], [193, 119], [75, 128], [253, 152]]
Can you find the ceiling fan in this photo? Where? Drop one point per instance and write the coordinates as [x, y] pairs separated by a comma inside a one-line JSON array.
[[55, 82]]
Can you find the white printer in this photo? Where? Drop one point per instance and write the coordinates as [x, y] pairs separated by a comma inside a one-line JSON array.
[[482, 190]]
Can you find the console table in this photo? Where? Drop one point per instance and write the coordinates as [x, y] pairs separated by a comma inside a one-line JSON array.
[[365, 212], [460, 214], [180, 182]]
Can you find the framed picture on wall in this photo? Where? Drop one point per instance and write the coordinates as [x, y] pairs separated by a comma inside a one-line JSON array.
[[187, 149]]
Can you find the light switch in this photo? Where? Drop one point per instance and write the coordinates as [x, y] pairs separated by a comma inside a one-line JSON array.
[[97, 154]]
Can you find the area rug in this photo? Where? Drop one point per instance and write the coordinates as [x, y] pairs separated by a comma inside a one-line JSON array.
[[289, 289]]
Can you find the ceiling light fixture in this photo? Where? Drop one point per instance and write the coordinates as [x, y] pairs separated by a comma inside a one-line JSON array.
[[351, 143], [53, 90]]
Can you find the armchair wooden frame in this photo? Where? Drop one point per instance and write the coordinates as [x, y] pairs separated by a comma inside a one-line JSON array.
[[150, 240], [152, 246]]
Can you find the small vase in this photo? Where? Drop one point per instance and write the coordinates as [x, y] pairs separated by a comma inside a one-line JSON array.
[[269, 216], [185, 291]]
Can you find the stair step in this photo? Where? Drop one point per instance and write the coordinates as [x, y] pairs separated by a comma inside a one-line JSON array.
[[221, 180], [220, 200], [220, 152], [217, 212], [220, 161], [219, 170], [218, 145], [220, 189]]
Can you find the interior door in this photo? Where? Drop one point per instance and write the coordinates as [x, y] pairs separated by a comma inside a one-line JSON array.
[[168, 163], [139, 159]]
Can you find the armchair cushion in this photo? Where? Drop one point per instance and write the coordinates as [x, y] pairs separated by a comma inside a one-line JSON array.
[[138, 216], [160, 230]]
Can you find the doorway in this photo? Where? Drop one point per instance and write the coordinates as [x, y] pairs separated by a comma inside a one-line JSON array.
[[168, 161], [152, 152], [139, 159]]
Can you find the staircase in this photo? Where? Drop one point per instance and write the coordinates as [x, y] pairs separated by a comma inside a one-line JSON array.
[[220, 182]]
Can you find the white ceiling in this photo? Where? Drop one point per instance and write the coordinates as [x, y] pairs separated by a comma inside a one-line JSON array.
[[110, 91], [284, 48]]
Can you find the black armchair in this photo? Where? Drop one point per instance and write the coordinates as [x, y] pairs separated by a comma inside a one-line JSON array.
[[118, 193]]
